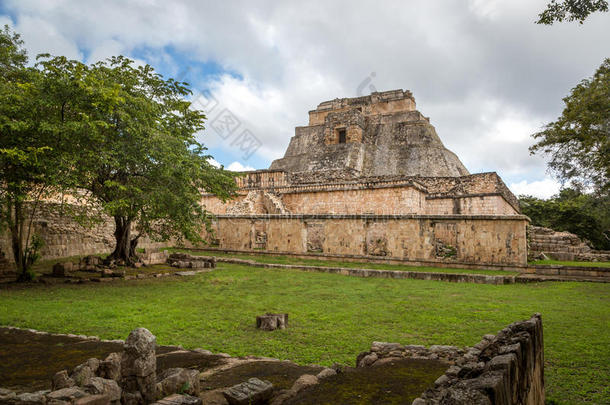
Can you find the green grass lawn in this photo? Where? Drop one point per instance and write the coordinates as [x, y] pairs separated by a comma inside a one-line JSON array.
[[332, 263], [569, 263], [332, 317]]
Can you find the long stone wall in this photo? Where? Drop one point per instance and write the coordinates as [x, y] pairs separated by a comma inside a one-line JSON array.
[[64, 237], [478, 194], [494, 240]]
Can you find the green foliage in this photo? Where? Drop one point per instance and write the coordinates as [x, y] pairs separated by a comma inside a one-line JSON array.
[[139, 158], [570, 10], [118, 137], [579, 141], [586, 215], [32, 158], [331, 317]]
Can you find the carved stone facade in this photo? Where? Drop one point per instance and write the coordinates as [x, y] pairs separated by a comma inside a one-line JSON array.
[[377, 135], [370, 177]]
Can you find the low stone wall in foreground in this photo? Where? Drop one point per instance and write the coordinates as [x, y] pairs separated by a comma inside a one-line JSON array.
[[502, 369]]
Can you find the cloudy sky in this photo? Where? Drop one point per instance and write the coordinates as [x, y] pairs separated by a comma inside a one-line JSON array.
[[485, 74]]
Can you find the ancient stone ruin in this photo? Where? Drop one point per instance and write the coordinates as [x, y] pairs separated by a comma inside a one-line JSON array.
[[506, 368], [127, 378], [370, 178], [545, 243], [502, 369]]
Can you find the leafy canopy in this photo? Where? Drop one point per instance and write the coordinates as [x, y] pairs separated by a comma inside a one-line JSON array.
[[570, 10], [117, 136], [138, 157], [33, 151], [579, 141], [585, 215]]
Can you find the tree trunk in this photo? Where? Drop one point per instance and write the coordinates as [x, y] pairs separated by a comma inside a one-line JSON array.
[[15, 214], [125, 248]]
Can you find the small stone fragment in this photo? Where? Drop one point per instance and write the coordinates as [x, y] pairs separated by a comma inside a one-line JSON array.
[[62, 380], [66, 394], [111, 367], [93, 400], [304, 381], [104, 386], [178, 399], [327, 372], [178, 380]]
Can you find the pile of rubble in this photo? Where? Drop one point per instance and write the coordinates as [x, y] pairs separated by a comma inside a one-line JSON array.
[[128, 378], [186, 261], [545, 243]]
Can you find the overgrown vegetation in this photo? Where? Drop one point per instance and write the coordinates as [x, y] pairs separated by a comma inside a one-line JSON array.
[[586, 215], [578, 143], [571, 10], [118, 138], [333, 317]]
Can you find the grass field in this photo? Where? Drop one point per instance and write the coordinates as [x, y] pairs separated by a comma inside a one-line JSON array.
[[333, 263], [568, 263], [332, 317]]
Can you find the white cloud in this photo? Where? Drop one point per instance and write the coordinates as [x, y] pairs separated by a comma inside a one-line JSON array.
[[214, 162], [482, 70], [541, 188], [43, 36], [238, 167]]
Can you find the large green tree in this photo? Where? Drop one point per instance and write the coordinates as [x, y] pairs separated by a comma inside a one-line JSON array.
[[571, 10], [139, 161], [578, 143], [117, 137], [33, 163]]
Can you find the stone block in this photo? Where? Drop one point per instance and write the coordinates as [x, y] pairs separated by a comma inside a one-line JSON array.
[[178, 380], [251, 392], [67, 394], [271, 322], [178, 399], [138, 367], [111, 367], [93, 400], [303, 382], [104, 386], [62, 380]]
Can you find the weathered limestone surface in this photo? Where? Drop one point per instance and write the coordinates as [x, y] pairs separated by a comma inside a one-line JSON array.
[[505, 369], [138, 368], [561, 246], [272, 321], [64, 237], [478, 194], [251, 392], [383, 135], [464, 239], [370, 177]]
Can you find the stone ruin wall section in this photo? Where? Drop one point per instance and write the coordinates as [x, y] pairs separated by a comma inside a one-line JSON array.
[[64, 237], [480, 194], [491, 240]]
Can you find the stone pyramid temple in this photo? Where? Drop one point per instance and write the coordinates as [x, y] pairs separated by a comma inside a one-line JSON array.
[[369, 178], [377, 135]]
